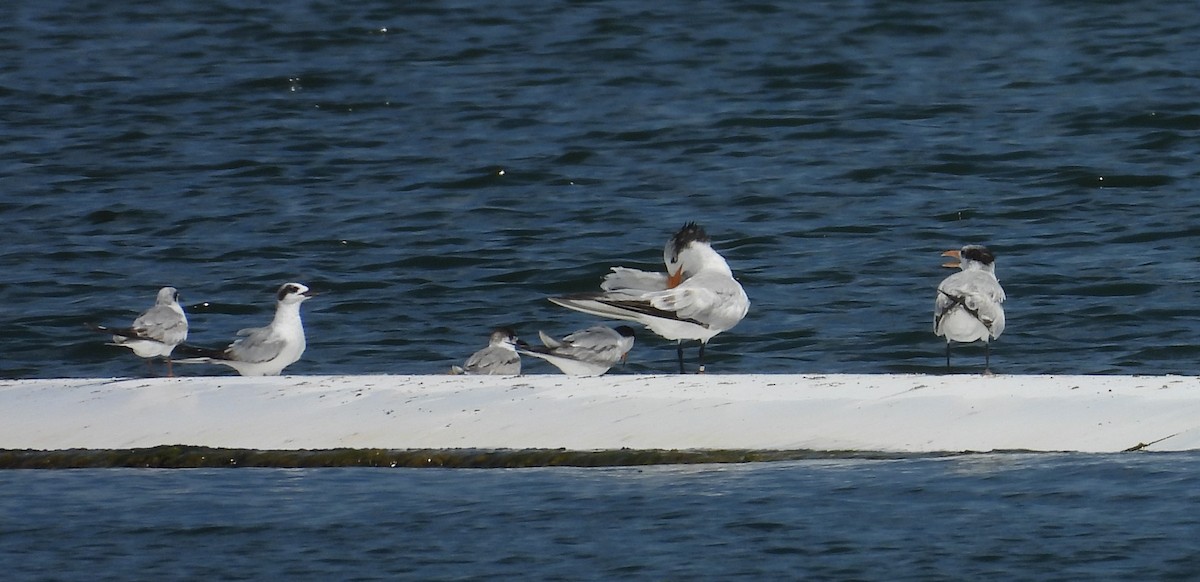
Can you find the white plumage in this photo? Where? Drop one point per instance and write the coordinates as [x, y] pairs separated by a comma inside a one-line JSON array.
[[696, 299], [263, 351], [156, 332], [968, 305]]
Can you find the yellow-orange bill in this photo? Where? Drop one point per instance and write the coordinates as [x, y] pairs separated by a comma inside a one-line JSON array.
[[674, 279], [957, 254]]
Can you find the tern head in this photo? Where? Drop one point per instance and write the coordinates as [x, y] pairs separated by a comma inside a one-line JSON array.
[[506, 336], [290, 293], [167, 296], [675, 253], [627, 336], [971, 257]]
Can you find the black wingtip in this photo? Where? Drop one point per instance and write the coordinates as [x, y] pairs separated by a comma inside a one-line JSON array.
[[575, 297], [198, 352]]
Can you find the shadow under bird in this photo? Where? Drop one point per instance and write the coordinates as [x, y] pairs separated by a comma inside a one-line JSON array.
[[968, 306], [696, 299], [262, 351], [156, 332], [499, 358], [587, 352]]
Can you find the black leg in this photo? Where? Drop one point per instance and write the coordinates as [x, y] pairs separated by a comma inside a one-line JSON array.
[[679, 351], [947, 355], [701, 371], [987, 357]]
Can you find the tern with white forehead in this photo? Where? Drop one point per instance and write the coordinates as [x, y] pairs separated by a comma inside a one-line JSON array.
[[499, 358], [696, 299], [968, 305], [587, 352], [156, 332], [262, 351]]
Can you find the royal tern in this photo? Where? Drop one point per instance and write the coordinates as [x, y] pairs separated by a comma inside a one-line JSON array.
[[968, 302], [587, 352], [262, 351], [499, 358], [155, 333], [696, 299]]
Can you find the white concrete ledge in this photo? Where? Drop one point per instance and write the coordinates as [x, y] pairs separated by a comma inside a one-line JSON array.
[[889, 413]]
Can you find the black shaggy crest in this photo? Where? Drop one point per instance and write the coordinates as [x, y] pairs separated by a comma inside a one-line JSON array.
[[691, 232], [978, 253]]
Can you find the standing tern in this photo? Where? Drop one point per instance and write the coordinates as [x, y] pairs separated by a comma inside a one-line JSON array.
[[155, 333], [263, 351], [499, 358], [696, 299], [587, 352], [968, 302]]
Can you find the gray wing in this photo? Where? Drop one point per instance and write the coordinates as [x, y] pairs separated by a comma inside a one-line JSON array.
[[257, 345], [713, 299], [549, 341], [594, 344], [494, 360], [162, 324], [977, 292]]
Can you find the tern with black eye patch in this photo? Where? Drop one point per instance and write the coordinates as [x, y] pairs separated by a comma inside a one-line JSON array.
[[262, 351]]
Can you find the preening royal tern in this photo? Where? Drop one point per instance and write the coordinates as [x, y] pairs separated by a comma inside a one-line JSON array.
[[968, 306], [696, 299]]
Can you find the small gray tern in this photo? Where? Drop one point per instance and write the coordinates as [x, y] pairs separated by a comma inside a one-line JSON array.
[[155, 333], [587, 352]]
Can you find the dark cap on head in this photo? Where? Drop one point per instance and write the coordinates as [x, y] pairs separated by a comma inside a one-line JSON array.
[[288, 289], [978, 253], [691, 232]]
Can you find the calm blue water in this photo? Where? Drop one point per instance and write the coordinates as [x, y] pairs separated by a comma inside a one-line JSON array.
[[438, 168], [985, 517]]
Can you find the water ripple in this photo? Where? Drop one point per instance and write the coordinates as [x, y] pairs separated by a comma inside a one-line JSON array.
[[438, 184]]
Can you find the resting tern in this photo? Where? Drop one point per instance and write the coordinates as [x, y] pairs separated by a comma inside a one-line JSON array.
[[155, 333], [696, 299], [263, 351], [500, 358], [587, 352], [968, 302]]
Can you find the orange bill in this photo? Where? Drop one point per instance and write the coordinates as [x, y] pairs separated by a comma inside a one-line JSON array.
[[957, 254], [673, 280]]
